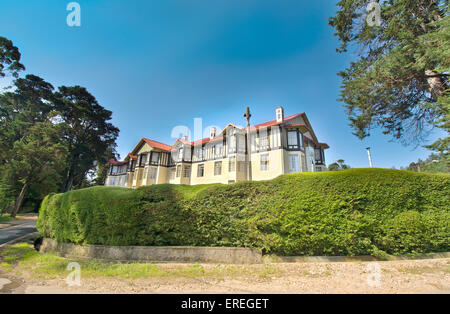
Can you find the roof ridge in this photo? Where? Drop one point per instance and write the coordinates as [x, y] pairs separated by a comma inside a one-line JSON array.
[[146, 138]]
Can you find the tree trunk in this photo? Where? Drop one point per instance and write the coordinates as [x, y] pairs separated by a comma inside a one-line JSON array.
[[69, 182], [19, 201], [436, 83]]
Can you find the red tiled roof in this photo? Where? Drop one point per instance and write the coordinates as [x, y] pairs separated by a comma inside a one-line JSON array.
[[274, 122], [168, 148], [131, 156], [257, 126], [158, 145], [153, 144], [202, 141], [117, 163]]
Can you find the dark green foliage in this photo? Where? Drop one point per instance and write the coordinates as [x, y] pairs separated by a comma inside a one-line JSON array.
[[9, 58], [434, 163], [351, 212], [48, 141], [399, 81], [338, 165], [89, 136]]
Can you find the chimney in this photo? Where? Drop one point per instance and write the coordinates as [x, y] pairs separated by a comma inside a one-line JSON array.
[[185, 138], [213, 133], [280, 114]]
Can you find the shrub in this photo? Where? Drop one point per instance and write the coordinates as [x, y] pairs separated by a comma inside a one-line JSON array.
[[352, 212]]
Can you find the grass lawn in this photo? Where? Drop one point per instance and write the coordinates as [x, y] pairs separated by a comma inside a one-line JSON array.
[[21, 258], [5, 219]]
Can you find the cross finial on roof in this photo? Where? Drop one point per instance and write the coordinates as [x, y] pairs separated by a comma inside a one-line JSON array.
[[247, 115]]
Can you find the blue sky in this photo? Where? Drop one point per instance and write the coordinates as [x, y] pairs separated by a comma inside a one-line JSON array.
[[161, 63]]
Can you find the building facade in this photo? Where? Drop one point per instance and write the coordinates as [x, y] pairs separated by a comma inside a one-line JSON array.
[[284, 145]]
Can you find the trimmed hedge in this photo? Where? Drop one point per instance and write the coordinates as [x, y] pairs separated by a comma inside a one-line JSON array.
[[352, 212]]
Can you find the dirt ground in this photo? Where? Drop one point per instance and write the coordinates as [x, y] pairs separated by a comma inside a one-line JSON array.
[[412, 276]]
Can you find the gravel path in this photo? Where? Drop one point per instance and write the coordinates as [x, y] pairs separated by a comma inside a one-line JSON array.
[[413, 276]]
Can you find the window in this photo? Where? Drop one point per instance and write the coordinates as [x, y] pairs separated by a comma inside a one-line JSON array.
[[263, 140], [178, 171], [141, 160], [275, 135], [180, 154], [152, 173], [241, 166], [218, 150], [200, 151], [217, 168], [172, 173], [155, 158], [241, 143], [187, 172], [232, 144], [292, 139], [232, 164], [318, 154], [293, 163], [253, 145], [200, 170], [265, 162]]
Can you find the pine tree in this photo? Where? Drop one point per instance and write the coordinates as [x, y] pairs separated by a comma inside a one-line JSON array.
[[400, 80]]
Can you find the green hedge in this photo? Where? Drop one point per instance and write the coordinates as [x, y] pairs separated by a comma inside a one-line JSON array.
[[352, 212]]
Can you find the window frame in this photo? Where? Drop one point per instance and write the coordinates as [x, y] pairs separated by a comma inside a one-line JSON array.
[[178, 171], [153, 173], [172, 173], [152, 157], [232, 164], [218, 165], [200, 170], [187, 171], [218, 152], [292, 145], [232, 144], [180, 154], [264, 163]]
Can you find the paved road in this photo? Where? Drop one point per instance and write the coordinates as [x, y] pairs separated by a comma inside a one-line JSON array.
[[14, 232]]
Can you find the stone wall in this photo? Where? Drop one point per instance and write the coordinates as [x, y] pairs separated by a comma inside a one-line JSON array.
[[229, 255]]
